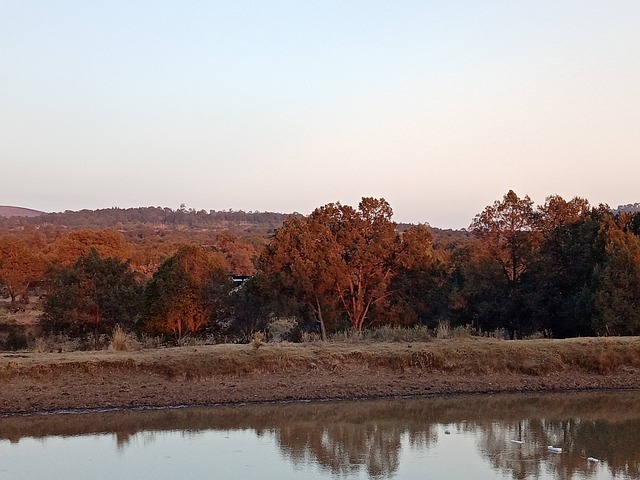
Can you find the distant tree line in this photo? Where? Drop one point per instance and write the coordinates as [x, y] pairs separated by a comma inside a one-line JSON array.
[[561, 269], [129, 218]]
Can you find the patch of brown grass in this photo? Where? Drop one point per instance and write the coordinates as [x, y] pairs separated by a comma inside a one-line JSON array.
[[457, 356], [123, 341]]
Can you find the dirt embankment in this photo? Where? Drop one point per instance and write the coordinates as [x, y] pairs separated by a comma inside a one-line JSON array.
[[34, 382]]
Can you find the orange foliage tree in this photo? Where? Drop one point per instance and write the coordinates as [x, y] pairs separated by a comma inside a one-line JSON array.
[[239, 254], [304, 257], [21, 265], [107, 244], [337, 256], [186, 293], [419, 285]]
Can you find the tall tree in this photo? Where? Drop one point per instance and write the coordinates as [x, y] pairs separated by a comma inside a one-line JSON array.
[[507, 227], [337, 256], [93, 295], [418, 290], [564, 271], [303, 257], [507, 230], [187, 294], [369, 248], [20, 267], [617, 301]]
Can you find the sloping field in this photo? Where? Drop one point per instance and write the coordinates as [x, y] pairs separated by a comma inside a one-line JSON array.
[[7, 211]]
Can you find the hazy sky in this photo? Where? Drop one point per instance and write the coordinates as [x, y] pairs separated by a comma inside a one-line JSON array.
[[439, 107]]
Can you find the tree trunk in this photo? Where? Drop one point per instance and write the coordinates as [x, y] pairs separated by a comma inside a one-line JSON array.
[[12, 294], [96, 324], [318, 312]]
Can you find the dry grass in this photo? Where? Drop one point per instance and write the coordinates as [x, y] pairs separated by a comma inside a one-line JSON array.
[[458, 356], [443, 330], [123, 341], [57, 343], [258, 340], [388, 334]]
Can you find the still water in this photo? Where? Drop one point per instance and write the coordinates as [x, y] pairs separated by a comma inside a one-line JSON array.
[[475, 437]]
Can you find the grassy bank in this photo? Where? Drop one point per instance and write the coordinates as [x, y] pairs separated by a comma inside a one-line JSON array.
[[464, 356]]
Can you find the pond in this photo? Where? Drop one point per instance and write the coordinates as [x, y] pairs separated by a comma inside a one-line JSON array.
[[591, 435]]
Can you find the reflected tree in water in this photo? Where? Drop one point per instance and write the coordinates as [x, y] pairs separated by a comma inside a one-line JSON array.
[[369, 437], [342, 448]]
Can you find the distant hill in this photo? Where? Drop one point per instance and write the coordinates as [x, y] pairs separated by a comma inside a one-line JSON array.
[[155, 218], [7, 211], [140, 221]]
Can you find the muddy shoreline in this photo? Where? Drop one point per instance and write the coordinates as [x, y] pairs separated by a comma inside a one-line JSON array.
[[83, 392]]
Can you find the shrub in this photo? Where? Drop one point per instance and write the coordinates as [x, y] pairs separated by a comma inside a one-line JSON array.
[[443, 330], [16, 340], [258, 340], [123, 341], [464, 331]]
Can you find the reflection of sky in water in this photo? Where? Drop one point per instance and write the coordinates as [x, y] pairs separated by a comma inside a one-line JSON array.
[[292, 447], [158, 456], [226, 454]]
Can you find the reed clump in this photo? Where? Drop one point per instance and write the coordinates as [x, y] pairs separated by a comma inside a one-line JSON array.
[[123, 341]]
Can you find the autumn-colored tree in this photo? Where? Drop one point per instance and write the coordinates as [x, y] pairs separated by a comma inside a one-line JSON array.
[[240, 254], [617, 301], [369, 246], [418, 290], [557, 213], [21, 266], [187, 293], [303, 257], [337, 256], [507, 227], [92, 295], [507, 233], [107, 243]]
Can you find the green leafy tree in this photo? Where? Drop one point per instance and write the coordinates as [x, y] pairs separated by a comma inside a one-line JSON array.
[[564, 274], [259, 301], [91, 296]]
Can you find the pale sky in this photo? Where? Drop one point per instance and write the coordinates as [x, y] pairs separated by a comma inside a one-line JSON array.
[[439, 107]]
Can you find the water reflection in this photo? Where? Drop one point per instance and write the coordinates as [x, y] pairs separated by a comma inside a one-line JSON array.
[[380, 439]]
